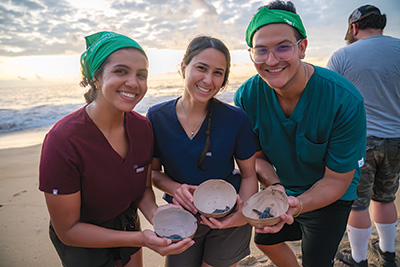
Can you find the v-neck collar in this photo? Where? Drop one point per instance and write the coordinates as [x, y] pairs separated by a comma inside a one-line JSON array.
[[298, 109], [103, 137], [181, 126]]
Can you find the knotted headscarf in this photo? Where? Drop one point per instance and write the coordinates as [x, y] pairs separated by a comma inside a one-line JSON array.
[[266, 16], [99, 46]]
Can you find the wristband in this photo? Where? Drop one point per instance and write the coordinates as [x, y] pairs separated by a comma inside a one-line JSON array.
[[301, 208], [278, 183]]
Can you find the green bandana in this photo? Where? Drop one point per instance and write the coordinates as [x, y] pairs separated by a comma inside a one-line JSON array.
[[99, 46], [267, 16]]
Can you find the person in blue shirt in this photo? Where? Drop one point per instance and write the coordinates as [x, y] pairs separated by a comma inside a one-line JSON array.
[[197, 138], [310, 123]]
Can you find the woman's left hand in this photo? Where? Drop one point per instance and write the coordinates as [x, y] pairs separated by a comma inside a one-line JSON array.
[[232, 220]]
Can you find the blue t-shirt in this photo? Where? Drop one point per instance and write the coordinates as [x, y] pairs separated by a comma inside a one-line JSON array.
[[326, 128], [231, 137]]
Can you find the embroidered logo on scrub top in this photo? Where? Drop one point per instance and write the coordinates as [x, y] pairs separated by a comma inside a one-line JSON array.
[[361, 162], [136, 167]]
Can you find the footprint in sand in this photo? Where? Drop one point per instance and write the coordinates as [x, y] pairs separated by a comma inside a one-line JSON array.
[[19, 193]]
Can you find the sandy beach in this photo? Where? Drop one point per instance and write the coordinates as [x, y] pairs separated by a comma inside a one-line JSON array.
[[24, 218]]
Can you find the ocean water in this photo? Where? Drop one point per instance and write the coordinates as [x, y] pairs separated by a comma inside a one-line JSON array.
[[38, 108]]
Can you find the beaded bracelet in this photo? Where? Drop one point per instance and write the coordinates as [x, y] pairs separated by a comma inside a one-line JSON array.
[[300, 210]]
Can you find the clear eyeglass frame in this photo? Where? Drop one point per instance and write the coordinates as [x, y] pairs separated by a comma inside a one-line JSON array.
[[252, 52]]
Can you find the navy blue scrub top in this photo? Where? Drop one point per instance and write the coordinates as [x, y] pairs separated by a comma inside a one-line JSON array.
[[231, 137]]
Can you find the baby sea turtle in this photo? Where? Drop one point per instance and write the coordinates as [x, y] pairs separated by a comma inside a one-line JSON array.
[[173, 237], [221, 210], [265, 214]]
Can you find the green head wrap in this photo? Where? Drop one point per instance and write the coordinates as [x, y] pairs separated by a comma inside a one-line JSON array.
[[99, 46], [266, 16]]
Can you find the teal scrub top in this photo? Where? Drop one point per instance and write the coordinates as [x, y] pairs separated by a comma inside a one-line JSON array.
[[326, 129]]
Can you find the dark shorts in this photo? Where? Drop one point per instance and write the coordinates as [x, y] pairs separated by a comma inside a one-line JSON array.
[[379, 179], [95, 257], [217, 247], [320, 231]]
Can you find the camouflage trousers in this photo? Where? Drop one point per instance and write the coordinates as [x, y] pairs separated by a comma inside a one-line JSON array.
[[380, 174]]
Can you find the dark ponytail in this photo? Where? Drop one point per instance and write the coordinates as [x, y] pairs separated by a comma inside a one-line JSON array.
[[208, 132]]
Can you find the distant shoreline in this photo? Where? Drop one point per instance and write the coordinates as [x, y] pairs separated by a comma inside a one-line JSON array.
[[23, 138]]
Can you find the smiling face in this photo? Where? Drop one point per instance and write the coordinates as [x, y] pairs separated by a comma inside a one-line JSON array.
[[279, 74], [204, 75], [123, 82]]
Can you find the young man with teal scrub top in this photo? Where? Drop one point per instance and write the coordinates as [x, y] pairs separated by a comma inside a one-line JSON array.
[[311, 126]]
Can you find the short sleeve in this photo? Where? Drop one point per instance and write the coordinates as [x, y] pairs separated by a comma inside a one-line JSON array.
[[334, 62], [58, 168], [237, 98], [246, 141], [150, 117], [347, 144]]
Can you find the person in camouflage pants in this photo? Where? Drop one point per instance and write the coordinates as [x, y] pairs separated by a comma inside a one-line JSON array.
[[371, 62]]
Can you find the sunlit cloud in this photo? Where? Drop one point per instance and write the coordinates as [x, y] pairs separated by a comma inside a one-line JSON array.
[[57, 27]]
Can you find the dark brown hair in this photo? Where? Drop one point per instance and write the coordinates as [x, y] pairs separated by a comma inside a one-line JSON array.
[[372, 21], [91, 94]]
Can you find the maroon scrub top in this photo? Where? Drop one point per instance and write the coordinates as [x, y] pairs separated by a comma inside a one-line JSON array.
[[76, 156]]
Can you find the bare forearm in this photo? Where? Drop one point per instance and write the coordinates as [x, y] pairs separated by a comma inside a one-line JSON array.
[[266, 173], [326, 191], [147, 204], [164, 182], [65, 214], [248, 187], [93, 236], [249, 183]]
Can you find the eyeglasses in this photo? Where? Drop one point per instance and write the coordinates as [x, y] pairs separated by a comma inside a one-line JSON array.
[[282, 53]]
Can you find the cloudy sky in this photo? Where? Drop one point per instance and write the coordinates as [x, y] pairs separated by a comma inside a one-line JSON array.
[[41, 40]]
